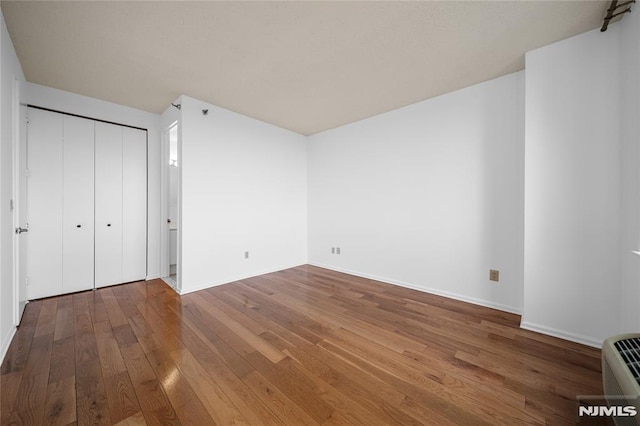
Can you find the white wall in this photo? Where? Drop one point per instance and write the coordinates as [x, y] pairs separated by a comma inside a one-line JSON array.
[[10, 71], [243, 189], [573, 184], [46, 97], [630, 137], [428, 196]]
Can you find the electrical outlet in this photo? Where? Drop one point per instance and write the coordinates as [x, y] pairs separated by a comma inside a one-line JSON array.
[[246, 254], [494, 275], [337, 250], [333, 250]]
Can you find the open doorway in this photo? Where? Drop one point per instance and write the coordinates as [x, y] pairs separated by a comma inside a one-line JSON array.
[[173, 173]]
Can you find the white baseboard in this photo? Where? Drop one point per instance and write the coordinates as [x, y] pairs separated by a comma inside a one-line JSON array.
[[204, 286], [475, 301], [573, 337], [6, 342]]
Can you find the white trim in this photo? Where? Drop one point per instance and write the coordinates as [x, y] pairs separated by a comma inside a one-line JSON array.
[[6, 342], [573, 337], [475, 301], [239, 278], [178, 125], [15, 197], [164, 204]]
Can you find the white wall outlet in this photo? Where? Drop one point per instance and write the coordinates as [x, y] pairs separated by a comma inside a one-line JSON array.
[[333, 250], [246, 254]]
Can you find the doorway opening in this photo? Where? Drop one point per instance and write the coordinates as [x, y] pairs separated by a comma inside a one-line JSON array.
[[172, 165]]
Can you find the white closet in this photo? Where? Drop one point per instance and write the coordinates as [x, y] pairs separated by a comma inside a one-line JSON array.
[[86, 202]]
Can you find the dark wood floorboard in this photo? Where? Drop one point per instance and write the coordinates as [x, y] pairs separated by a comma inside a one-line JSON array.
[[300, 346]]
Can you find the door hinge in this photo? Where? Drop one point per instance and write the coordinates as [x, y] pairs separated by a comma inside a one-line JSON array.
[[11, 204]]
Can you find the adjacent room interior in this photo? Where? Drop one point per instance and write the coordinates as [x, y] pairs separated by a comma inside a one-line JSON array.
[[316, 212]]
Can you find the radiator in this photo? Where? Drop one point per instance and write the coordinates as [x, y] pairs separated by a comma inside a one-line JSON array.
[[621, 374]]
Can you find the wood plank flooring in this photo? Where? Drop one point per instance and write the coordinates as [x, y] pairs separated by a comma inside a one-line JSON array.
[[303, 346]]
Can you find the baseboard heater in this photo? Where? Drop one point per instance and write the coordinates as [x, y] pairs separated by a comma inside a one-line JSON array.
[[621, 376]]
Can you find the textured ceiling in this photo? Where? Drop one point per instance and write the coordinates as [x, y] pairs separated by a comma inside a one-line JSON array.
[[305, 66]]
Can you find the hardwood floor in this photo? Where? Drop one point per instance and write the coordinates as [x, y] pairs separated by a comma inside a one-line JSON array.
[[300, 346]]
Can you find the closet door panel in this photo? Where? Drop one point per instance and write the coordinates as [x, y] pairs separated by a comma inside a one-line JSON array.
[[108, 204], [78, 201], [134, 204], [44, 203]]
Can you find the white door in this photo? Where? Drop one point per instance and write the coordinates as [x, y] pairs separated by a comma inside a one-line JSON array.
[[134, 204], [108, 204], [77, 234], [44, 203]]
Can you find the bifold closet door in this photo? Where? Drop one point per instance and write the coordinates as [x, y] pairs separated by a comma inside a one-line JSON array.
[[78, 199], [86, 204], [44, 203], [120, 204], [108, 204], [59, 203], [134, 204]]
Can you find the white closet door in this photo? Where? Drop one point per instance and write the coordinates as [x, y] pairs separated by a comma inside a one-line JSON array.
[[108, 204], [44, 203], [77, 233], [134, 204]]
